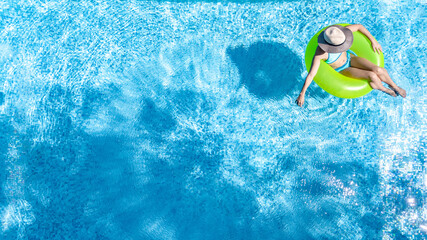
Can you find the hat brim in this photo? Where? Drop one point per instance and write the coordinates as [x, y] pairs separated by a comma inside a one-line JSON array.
[[325, 46]]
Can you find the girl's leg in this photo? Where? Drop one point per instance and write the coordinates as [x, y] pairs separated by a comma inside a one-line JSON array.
[[362, 63], [364, 74]]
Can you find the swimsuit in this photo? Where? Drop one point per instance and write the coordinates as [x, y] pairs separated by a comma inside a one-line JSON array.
[[332, 57]]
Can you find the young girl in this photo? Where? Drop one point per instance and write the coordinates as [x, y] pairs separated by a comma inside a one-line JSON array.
[[334, 47]]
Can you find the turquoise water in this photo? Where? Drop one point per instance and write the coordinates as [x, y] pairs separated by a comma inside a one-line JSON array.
[[176, 120]]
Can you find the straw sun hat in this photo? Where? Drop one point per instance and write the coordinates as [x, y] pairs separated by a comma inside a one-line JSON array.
[[335, 39]]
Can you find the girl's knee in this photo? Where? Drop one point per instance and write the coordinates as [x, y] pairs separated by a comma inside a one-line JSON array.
[[374, 85], [379, 70], [375, 80], [374, 77]]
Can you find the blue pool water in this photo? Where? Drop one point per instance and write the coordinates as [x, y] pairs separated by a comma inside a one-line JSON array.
[[176, 120]]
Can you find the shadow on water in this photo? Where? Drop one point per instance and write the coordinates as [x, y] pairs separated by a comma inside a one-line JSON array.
[[154, 119], [1, 98], [6, 131], [267, 69]]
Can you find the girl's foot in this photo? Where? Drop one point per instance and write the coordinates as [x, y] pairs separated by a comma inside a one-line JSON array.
[[390, 92], [401, 91]]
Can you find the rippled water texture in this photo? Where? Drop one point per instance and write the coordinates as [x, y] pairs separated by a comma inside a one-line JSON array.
[[157, 120]]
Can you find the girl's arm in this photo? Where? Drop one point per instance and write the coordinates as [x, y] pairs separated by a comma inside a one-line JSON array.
[[359, 27], [319, 55]]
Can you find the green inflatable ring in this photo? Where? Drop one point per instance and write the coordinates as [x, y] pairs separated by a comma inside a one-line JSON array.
[[335, 83]]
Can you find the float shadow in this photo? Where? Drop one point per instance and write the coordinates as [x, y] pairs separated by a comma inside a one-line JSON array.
[[268, 70]]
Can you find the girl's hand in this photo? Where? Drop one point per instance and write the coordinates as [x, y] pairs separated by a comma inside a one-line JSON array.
[[376, 46], [300, 100]]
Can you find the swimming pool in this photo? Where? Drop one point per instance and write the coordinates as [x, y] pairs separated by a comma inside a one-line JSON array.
[[176, 120]]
